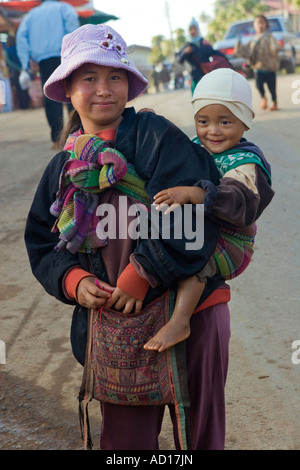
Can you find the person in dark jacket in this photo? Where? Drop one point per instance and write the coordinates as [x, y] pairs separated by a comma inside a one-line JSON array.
[[79, 266], [196, 51]]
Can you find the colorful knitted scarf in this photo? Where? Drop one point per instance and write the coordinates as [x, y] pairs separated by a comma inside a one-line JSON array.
[[93, 166]]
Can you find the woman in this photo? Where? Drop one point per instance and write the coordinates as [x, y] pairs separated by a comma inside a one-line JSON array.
[[262, 53], [80, 269], [196, 52]]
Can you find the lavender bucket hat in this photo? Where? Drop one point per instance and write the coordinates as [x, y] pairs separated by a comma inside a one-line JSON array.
[[98, 44]]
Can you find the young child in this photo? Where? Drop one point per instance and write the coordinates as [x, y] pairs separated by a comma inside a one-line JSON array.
[[222, 104], [113, 152], [262, 53]]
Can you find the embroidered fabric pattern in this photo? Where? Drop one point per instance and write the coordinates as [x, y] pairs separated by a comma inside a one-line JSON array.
[[124, 372]]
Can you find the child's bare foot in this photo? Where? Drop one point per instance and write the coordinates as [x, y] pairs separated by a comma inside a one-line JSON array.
[[172, 333]]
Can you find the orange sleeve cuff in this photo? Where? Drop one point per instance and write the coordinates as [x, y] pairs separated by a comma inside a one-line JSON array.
[[72, 280], [132, 284]]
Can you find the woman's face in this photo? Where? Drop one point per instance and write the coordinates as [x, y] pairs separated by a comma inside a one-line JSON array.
[[99, 95], [260, 25], [194, 31]]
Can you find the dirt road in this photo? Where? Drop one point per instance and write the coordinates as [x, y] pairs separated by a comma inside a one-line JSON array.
[[40, 381]]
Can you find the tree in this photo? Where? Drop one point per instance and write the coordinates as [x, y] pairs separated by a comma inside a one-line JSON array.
[[161, 47], [157, 55], [180, 39], [294, 3]]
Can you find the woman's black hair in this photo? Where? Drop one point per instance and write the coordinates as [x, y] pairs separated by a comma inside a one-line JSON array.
[[263, 17], [73, 124]]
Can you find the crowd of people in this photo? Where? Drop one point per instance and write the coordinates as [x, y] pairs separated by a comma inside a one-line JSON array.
[[37, 54], [33, 54]]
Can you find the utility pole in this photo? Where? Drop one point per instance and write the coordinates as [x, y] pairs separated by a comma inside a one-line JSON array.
[[170, 29]]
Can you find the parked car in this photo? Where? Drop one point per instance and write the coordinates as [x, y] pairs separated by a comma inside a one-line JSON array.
[[279, 26]]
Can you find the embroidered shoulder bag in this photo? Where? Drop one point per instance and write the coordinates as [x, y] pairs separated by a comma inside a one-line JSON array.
[[119, 370]]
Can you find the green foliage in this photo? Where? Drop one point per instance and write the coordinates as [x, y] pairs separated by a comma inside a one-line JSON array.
[[157, 55], [294, 3], [180, 39], [162, 49], [226, 11]]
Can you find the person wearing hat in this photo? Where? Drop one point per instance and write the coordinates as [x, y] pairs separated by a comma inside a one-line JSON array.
[[196, 51], [222, 106], [112, 152]]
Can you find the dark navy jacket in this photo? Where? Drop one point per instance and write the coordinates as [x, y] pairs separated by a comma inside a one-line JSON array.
[[164, 157], [201, 52]]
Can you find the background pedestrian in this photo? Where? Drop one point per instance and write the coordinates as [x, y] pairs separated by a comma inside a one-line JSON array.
[[262, 53], [39, 38]]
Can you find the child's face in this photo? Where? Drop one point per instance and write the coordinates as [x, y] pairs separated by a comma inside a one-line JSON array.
[[217, 128], [99, 95]]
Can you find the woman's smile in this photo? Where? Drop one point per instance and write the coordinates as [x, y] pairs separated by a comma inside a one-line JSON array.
[[100, 95]]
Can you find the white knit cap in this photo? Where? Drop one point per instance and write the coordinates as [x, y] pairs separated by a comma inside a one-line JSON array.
[[226, 87]]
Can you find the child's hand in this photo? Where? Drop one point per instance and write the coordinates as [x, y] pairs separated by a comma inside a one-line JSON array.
[[92, 296], [178, 196], [119, 300]]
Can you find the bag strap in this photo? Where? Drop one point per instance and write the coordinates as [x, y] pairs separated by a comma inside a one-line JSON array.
[[87, 386], [86, 389]]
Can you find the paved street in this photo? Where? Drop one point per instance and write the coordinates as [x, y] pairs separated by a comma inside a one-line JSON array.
[[40, 381]]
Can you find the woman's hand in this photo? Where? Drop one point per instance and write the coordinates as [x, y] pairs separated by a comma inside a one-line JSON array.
[[188, 49], [92, 296], [121, 301]]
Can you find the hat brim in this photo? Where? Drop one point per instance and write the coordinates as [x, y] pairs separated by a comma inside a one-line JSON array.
[[54, 87]]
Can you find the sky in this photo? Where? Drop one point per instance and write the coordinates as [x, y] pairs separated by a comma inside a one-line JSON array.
[[140, 20]]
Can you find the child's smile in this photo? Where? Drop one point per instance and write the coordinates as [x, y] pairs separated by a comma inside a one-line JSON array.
[[218, 129]]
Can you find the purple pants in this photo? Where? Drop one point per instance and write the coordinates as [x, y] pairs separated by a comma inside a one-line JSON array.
[[138, 428]]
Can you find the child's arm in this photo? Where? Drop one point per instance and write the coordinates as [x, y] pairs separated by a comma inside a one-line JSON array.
[[241, 197]]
